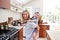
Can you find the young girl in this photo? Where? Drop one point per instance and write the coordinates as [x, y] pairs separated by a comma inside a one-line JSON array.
[[35, 18]]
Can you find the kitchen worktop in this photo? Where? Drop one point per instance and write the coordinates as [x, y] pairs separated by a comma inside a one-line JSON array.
[[44, 24], [17, 27], [53, 34]]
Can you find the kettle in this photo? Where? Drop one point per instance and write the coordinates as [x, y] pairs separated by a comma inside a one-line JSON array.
[[15, 23], [4, 27]]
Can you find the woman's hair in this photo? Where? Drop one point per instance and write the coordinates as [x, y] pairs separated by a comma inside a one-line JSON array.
[[36, 12], [27, 13], [39, 17]]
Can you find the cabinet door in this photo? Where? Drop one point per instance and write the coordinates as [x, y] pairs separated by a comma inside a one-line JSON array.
[[40, 33], [44, 31], [5, 3], [20, 34], [0, 3]]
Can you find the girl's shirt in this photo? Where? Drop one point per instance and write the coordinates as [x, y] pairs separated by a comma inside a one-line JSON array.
[[36, 20]]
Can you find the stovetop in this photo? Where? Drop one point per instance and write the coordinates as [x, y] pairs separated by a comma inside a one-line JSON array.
[[6, 34]]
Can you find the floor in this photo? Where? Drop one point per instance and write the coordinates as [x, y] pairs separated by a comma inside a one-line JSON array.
[[37, 37], [42, 39]]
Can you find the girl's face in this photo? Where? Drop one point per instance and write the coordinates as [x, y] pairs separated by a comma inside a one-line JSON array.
[[38, 15], [25, 15]]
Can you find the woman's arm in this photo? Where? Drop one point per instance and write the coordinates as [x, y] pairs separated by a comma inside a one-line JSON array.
[[22, 23], [31, 20]]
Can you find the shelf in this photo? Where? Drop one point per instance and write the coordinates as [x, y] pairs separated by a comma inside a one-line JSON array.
[[15, 6]]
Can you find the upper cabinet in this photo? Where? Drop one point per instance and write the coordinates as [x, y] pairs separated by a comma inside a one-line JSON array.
[[5, 4], [11, 4]]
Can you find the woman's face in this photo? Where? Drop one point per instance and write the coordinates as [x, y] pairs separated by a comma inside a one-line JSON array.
[[35, 16], [25, 15]]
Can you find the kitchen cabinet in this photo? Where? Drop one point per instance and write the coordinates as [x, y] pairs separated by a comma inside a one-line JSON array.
[[20, 34], [10, 4], [16, 9], [5, 4], [42, 30], [15, 6]]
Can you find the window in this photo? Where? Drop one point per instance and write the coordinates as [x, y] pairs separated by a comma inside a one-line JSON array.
[[51, 10]]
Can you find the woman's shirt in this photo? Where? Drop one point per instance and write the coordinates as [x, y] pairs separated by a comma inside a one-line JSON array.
[[29, 28]]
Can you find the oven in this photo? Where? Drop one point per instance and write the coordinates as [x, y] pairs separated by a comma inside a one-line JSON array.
[[12, 34], [14, 37]]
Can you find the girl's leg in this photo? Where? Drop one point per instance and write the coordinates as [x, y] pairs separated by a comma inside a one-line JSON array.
[[34, 36], [37, 33]]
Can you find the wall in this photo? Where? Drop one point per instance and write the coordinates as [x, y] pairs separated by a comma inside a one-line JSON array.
[[35, 4], [5, 13]]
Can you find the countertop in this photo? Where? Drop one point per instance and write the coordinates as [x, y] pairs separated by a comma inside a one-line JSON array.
[[54, 34], [44, 24], [17, 27]]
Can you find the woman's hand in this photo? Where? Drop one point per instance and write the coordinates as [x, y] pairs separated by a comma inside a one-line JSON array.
[[30, 20], [23, 24]]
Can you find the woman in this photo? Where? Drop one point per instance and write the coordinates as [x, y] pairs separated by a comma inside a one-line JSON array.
[[29, 26]]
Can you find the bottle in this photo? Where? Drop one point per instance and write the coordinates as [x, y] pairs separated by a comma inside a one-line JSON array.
[[2, 27]]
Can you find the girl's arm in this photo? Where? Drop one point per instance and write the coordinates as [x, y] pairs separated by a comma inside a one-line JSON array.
[[37, 30]]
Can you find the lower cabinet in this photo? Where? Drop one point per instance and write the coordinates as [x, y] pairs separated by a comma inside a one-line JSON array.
[[20, 34], [48, 38], [42, 31]]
